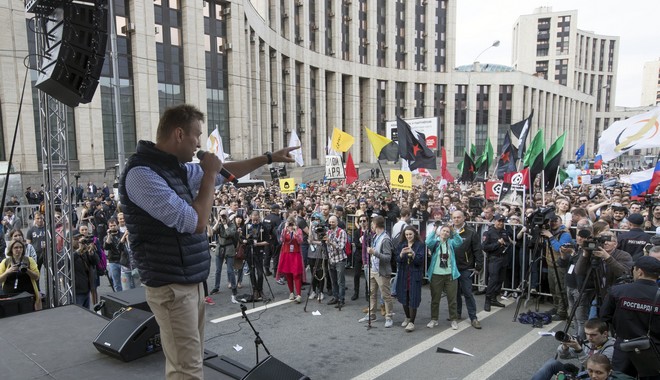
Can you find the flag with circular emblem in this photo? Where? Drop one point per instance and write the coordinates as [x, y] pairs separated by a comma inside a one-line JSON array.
[[287, 185], [401, 179]]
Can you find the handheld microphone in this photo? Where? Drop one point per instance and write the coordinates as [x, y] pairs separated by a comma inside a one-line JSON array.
[[223, 172]]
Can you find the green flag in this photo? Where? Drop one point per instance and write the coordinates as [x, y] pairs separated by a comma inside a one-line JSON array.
[[473, 152], [534, 149], [552, 160]]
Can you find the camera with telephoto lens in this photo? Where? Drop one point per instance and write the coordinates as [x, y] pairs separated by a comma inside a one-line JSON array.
[[565, 337], [321, 229]]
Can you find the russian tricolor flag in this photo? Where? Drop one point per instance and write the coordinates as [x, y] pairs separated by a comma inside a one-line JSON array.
[[655, 179], [641, 182], [598, 162]]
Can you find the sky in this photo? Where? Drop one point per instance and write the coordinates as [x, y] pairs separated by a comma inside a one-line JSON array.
[[480, 22]]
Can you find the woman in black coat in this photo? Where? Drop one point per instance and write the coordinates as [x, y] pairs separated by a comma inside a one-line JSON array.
[[410, 261]]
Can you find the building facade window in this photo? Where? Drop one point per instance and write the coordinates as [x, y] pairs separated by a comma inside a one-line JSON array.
[[439, 109], [217, 102], [440, 60], [481, 116], [561, 71], [169, 54], [505, 101], [420, 91], [460, 114], [362, 31], [400, 36], [381, 97]]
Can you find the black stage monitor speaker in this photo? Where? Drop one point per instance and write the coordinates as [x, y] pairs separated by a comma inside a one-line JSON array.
[[76, 40], [114, 302], [271, 368], [131, 335], [14, 304]]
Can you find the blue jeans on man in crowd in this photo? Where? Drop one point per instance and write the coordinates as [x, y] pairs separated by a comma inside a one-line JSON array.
[[82, 299], [338, 279], [549, 369], [465, 289], [219, 260], [231, 274], [114, 271]]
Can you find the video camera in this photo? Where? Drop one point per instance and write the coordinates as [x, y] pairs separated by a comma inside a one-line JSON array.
[[475, 205], [540, 220], [592, 243]]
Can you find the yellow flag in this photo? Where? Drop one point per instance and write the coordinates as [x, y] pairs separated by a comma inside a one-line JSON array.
[[287, 185], [401, 179], [341, 140], [377, 141]]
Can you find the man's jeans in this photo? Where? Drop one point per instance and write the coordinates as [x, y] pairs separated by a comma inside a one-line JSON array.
[[338, 279], [219, 260], [549, 369], [114, 271], [465, 289]]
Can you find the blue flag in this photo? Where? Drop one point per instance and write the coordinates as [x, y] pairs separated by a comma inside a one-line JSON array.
[[579, 153]]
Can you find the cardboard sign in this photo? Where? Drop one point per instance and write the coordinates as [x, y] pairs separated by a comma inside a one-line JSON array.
[[334, 168], [401, 179]]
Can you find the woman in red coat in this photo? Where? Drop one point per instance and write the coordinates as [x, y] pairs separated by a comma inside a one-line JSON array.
[[291, 262]]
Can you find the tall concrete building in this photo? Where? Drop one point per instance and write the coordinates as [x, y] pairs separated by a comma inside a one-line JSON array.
[[550, 45], [260, 69], [651, 83]]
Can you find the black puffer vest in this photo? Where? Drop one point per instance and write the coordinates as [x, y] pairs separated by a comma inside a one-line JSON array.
[[162, 254]]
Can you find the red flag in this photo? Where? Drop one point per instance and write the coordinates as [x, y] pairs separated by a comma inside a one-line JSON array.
[[351, 173], [518, 178], [493, 189], [444, 173]]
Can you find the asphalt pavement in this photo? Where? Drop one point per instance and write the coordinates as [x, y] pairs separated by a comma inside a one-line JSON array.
[[333, 345]]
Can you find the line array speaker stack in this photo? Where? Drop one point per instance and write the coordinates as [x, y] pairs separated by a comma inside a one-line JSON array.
[[75, 45]]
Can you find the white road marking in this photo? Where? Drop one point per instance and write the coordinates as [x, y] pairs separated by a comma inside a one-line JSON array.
[[250, 311], [410, 353], [504, 357]]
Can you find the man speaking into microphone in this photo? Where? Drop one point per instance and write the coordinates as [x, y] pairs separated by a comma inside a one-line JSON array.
[[168, 239]]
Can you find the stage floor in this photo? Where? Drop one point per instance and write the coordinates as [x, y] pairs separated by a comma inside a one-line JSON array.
[[57, 344]]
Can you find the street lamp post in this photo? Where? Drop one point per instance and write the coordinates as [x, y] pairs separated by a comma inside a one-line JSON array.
[[475, 61]]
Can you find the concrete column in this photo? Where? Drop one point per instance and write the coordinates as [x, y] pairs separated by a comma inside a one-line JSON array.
[[192, 41]]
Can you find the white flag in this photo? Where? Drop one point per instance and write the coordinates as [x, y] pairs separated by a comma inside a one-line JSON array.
[[297, 154], [214, 145], [329, 150], [638, 132]]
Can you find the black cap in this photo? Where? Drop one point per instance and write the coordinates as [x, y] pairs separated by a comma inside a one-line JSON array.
[[275, 206], [339, 208], [499, 217], [648, 264], [636, 219]]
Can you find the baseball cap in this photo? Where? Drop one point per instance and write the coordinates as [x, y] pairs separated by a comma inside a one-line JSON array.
[[499, 217], [636, 219], [648, 264]]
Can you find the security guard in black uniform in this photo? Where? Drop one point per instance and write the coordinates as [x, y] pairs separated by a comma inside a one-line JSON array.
[[496, 244], [636, 239], [627, 308]]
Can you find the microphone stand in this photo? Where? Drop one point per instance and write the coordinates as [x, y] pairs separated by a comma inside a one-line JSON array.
[[257, 339]]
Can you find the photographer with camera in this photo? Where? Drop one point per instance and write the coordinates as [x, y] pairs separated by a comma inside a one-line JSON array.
[[256, 244], [85, 260], [557, 235], [316, 254], [114, 249], [225, 252], [271, 222], [632, 310], [336, 244], [609, 262], [19, 273], [496, 244], [469, 260], [598, 342]]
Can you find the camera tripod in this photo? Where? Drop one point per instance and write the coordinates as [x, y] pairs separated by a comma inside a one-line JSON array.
[[314, 271], [525, 282], [592, 276]]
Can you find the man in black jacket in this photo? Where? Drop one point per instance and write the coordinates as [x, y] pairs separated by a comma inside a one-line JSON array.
[[496, 243], [270, 224], [636, 239], [627, 308], [469, 259]]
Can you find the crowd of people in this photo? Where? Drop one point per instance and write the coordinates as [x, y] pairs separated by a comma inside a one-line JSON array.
[[573, 244]]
